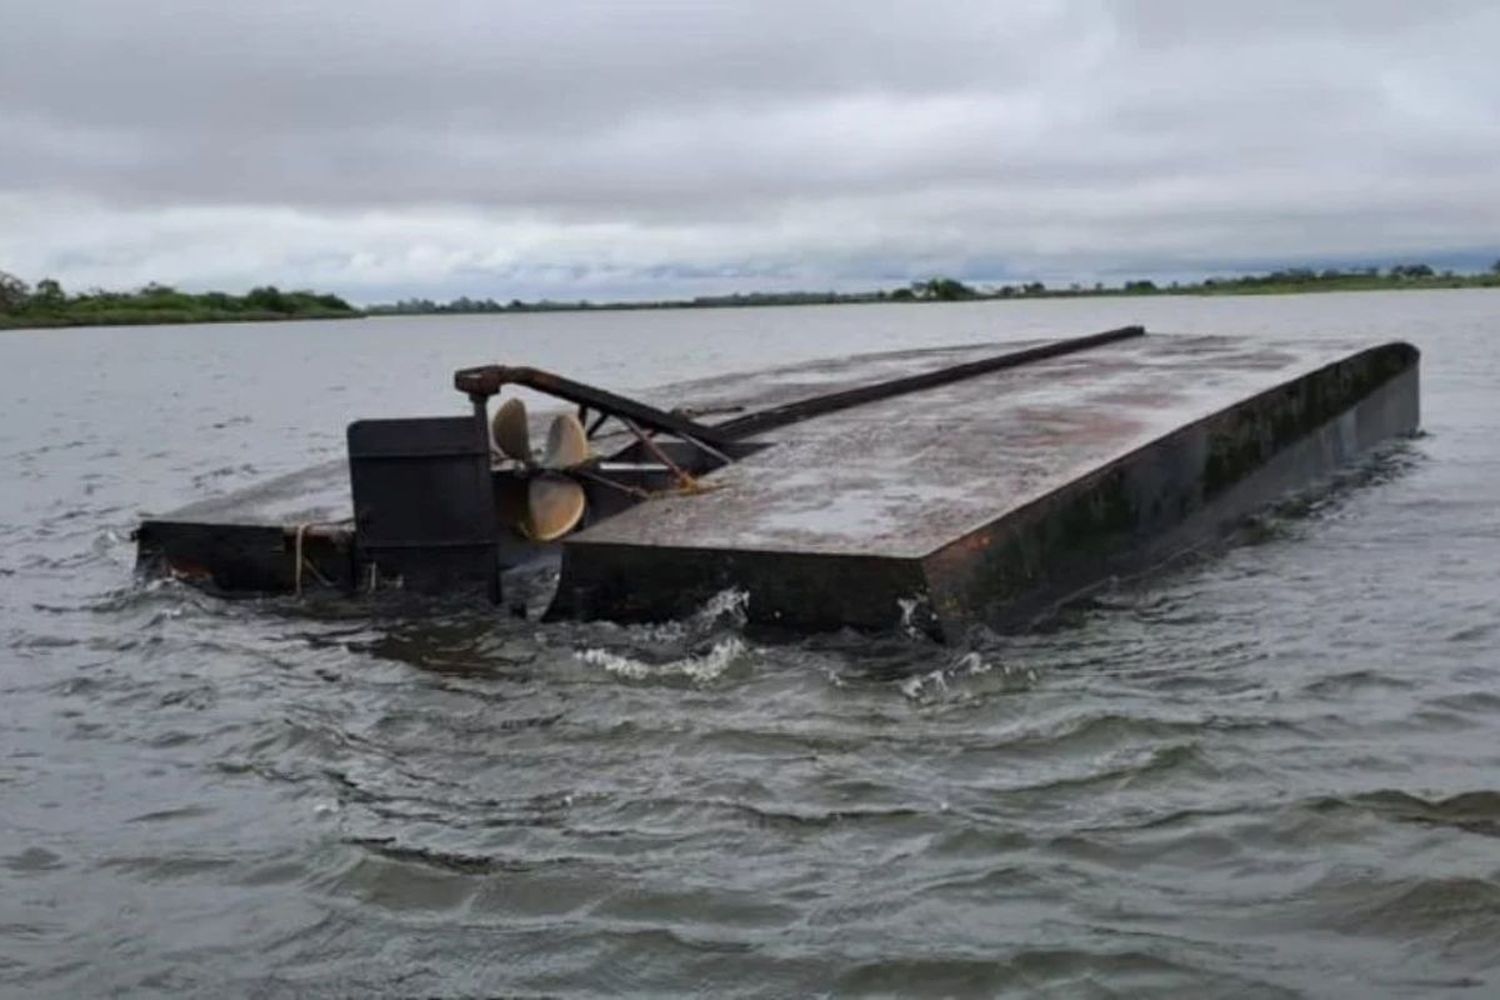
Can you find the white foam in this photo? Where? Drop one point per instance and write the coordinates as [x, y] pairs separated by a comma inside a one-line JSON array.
[[732, 603], [910, 606], [700, 669], [917, 686], [949, 680], [972, 663]]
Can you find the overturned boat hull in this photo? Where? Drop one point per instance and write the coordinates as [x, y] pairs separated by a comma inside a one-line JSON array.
[[1078, 471], [970, 489]]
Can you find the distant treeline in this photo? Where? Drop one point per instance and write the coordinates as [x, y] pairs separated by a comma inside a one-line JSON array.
[[47, 304], [419, 307], [942, 289]]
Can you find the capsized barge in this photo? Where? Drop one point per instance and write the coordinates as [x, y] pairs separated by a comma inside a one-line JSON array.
[[937, 488]]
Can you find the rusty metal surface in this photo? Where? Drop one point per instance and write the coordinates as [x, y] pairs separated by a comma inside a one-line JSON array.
[[234, 558], [1184, 488], [967, 501], [320, 493], [902, 477], [999, 497], [764, 421], [238, 541]]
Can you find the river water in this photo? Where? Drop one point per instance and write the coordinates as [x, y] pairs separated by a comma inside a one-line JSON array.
[[1274, 771]]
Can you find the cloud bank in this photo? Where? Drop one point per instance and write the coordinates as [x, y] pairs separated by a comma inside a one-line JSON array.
[[581, 149]]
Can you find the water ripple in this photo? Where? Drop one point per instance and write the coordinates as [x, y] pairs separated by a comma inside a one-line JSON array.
[[1267, 771]]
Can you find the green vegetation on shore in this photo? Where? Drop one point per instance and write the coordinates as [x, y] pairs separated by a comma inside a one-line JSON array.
[[48, 304], [942, 289]]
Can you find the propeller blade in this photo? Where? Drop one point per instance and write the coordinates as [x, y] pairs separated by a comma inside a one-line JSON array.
[[554, 504], [567, 443], [510, 430]]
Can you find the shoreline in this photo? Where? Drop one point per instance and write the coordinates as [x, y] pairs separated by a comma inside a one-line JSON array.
[[74, 322], [768, 300]]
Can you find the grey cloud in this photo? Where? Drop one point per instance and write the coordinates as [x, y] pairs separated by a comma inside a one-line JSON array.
[[469, 144]]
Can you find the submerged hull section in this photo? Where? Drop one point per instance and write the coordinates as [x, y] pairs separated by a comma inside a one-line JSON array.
[[990, 500]]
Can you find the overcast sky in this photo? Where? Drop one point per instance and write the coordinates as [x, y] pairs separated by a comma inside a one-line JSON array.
[[638, 149]]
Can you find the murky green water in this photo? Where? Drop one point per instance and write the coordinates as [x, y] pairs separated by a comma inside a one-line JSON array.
[[1273, 772]]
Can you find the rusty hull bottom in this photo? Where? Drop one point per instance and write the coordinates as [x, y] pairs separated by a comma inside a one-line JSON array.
[[246, 558], [1178, 492]]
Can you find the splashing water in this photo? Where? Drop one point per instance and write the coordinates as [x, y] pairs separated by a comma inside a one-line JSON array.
[[709, 640], [702, 668]]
